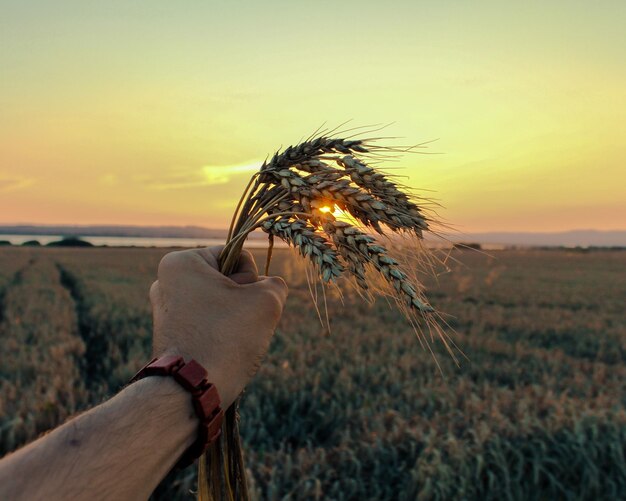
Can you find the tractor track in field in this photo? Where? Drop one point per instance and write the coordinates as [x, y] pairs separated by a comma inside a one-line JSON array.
[[16, 279], [92, 366]]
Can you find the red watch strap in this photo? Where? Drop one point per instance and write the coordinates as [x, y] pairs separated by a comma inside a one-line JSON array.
[[205, 398]]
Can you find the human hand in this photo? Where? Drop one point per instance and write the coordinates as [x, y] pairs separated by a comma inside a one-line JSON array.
[[225, 323]]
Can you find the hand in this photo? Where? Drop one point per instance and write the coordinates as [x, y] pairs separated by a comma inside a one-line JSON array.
[[225, 323]]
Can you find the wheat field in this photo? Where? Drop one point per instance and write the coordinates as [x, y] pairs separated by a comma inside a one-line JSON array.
[[536, 410]]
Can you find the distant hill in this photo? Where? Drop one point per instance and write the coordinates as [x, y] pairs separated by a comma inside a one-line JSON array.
[[583, 238], [115, 231], [573, 238]]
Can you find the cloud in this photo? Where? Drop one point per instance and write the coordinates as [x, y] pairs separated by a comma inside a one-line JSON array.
[[108, 180], [209, 175], [11, 183]]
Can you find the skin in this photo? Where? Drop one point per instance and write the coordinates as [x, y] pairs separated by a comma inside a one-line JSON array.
[[124, 447]]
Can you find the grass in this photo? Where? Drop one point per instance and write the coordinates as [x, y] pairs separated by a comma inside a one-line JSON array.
[[362, 413]]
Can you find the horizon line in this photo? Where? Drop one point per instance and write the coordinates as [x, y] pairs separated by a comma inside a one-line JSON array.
[[156, 226]]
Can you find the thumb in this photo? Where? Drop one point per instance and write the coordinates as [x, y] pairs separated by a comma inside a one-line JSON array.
[[277, 284], [272, 293]]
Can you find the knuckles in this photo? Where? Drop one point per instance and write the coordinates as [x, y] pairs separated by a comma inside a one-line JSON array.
[[271, 292], [170, 261], [178, 261]]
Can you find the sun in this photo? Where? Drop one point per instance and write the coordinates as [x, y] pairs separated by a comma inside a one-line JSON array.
[[334, 210], [338, 213]]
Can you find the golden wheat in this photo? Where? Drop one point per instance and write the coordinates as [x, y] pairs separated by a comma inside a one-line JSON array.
[[292, 197]]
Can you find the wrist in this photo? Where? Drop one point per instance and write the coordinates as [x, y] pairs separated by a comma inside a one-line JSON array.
[[193, 379], [164, 397], [226, 384]]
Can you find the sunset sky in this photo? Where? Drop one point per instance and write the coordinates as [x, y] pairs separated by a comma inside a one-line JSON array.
[[155, 112]]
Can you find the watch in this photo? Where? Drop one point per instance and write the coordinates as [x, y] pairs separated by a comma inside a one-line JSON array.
[[205, 398]]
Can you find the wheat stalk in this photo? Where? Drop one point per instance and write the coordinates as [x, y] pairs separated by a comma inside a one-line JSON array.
[[289, 198]]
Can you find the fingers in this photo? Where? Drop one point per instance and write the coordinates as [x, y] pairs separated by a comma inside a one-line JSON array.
[[246, 271], [211, 255]]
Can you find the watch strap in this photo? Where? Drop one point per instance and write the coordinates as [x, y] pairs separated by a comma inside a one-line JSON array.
[[205, 398]]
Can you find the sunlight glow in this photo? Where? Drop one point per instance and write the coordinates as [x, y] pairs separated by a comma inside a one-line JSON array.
[[168, 122], [337, 212]]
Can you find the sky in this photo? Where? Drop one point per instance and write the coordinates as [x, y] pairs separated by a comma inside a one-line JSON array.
[[157, 112]]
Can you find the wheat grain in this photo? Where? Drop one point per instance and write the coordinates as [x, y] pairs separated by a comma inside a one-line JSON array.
[[302, 235], [408, 213], [330, 187], [363, 249]]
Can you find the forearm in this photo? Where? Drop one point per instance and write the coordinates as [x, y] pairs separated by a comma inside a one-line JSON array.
[[119, 450]]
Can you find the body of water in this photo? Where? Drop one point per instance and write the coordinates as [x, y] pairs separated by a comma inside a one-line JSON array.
[[253, 243], [260, 243]]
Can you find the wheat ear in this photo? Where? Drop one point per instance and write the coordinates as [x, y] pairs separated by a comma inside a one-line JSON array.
[[290, 198]]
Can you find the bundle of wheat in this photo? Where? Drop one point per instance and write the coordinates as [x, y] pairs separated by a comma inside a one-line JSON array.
[[293, 197]]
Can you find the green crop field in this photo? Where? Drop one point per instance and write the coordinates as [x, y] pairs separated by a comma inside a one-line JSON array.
[[536, 411]]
